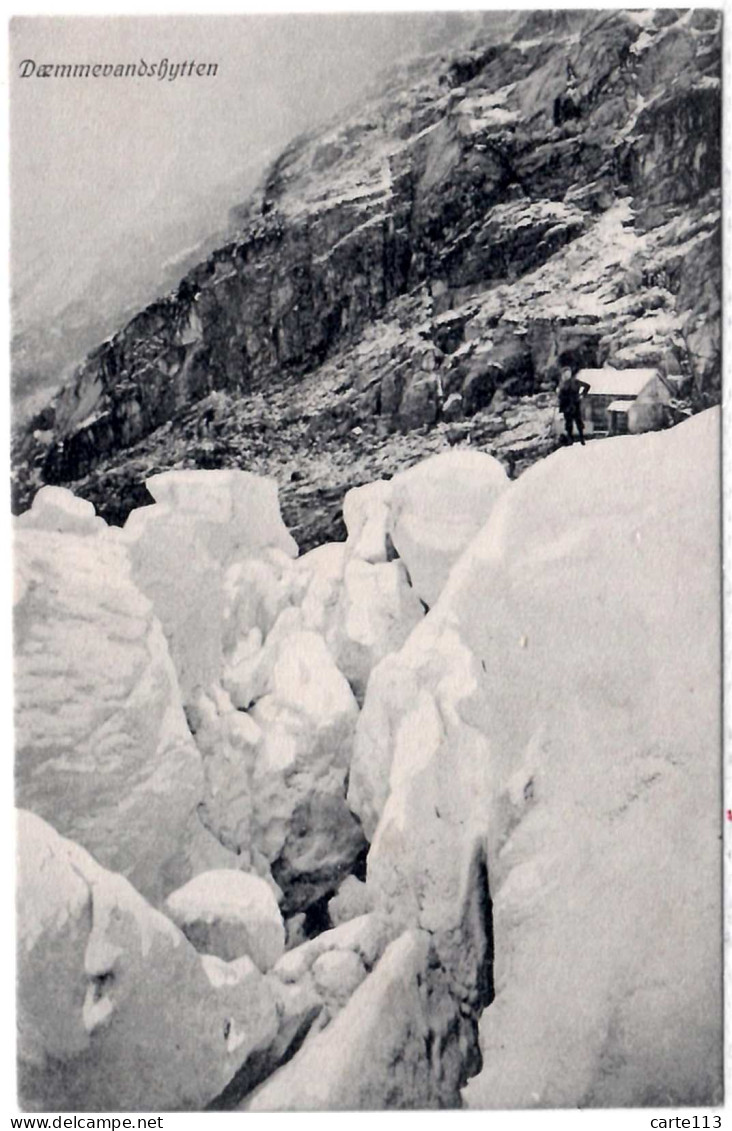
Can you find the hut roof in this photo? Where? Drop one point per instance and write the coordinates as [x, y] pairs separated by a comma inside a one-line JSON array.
[[609, 382]]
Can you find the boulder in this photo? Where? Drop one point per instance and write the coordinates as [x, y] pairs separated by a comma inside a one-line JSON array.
[[437, 507], [229, 914], [420, 401], [457, 434], [478, 388], [102, 746], [116, 1010], [391, 389]]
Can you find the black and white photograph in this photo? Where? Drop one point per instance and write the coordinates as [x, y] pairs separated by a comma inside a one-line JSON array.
[[365, 451]]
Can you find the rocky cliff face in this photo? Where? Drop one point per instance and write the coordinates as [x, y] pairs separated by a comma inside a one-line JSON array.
[[413, 274]]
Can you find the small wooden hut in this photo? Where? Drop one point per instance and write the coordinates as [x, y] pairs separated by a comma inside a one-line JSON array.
[[624, 400]]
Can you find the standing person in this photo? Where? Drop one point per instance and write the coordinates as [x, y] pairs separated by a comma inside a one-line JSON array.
[[571, 392]]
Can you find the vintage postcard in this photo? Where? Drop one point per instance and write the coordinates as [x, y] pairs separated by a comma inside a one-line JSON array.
[[366, 381]]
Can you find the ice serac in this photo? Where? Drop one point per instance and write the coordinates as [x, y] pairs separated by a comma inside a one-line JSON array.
[[227, 740], [420, 784], [229, 914], [350, 901], [353, 594], [276, 773], [375, 1054], [436, 508], [366, 513], [56, 509], [203, 521], [562, 700], [410, 736], [329, 967], [598, 885], [102, 747], [301, 822], [116, 1009], [402, 1002], [276, 737], [237, 511]]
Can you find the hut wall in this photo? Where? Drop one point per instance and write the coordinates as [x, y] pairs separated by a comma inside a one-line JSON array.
[[647, 413]]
